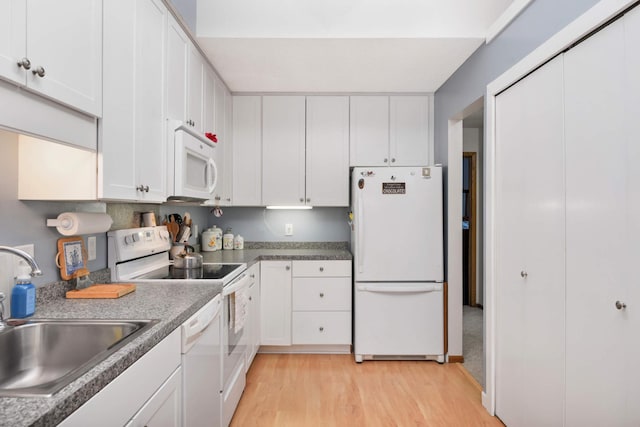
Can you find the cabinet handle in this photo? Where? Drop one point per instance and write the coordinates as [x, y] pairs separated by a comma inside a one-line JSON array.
[[321, 328], [38, 72], [250, 299], [321, 269], [620, 305], [321, 294], [143, 188], [287, 268], [393, 160], [228, 199], [217, 198], [253, 276], [24, 63], [386, 160], [146, 188], [524, 274]]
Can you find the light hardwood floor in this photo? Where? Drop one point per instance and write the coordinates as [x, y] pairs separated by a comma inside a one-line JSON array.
[[332, 390]]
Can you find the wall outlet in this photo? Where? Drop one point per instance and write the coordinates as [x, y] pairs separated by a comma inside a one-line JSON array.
[[91, 247], [288, 229]]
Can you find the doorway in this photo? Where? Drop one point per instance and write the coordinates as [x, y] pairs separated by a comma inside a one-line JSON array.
[[469, 228]]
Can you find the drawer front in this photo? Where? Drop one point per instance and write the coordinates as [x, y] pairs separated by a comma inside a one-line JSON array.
[[320, 294], [310, 327], [321, 268]]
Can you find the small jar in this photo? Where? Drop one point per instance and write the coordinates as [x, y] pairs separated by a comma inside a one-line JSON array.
[[227, 239], [238, 242]]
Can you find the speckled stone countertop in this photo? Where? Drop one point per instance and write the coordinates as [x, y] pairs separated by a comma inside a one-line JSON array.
[[266, 251], [172, 303]]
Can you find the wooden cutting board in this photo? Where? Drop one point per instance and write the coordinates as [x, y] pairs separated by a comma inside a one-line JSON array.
[[103, 291]]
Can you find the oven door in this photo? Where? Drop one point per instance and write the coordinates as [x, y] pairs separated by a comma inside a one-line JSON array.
[[195, 173], [235, 310]]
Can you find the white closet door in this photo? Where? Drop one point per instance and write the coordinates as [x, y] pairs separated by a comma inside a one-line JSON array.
[[631, 295], [598, 168], [530, 250]]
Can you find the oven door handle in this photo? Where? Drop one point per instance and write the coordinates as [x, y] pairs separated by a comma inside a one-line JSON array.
[[241, 282]]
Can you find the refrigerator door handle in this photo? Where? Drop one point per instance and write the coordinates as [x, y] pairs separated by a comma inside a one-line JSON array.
[[359, 231], [396, 289]]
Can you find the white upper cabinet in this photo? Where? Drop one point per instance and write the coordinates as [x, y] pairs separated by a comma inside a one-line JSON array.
[[132, 142], [390, 130], [327, 151], [369, 141], [247, 150], [178, 48], [224, 148], [195, 90], [409, 130], [59, 48], [283, 150]]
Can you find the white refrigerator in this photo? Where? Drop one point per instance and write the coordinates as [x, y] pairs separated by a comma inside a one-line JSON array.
[[397, 243]]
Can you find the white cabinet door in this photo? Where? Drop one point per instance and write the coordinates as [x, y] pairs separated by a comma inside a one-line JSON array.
[[327, 151], [530, 249], [275, 302], [64, 39], [369, 131], [209, 113], [13, 21], [132, 145], [164, 408], [409, 130], [253, 320], [178, 45], [283, 150], [631, 295], [195, 85], [227, 181], [224, 148], [247, 151], [599, 222]]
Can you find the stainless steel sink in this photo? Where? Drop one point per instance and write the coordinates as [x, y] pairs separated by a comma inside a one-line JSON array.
[[39, 357]]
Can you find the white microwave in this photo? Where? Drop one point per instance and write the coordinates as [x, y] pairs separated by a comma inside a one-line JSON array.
[[192, 170]]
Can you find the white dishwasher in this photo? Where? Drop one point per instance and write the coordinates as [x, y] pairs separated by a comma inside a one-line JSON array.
[[202, 367]]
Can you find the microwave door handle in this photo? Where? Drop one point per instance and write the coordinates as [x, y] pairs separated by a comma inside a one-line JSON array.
[[212, 175]]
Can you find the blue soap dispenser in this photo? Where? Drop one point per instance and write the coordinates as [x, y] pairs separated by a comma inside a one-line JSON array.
[[23, 295]]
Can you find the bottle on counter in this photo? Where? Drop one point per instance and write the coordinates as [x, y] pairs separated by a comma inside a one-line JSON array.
[[23, 295], [238, 242], [227, 239]]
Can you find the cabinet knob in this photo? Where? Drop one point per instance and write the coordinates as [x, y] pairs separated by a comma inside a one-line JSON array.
[[321, 269], [393, 160], [253, 276], [620, 305], [287, 268], [308, 200], [321, 294], [301, 200], [217, 198], [321, 328], [524, 274], [24, 63], [38, 72], [386, 160], [250, 299], [228, 199]]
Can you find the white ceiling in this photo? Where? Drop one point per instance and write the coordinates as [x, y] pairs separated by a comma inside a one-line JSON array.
[[342, 45]]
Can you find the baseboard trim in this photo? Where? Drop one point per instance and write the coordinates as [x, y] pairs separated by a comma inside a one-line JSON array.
[[455, 359]]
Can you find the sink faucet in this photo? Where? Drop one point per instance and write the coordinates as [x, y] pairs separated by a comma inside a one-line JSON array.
[[35, 270], [2, 322]]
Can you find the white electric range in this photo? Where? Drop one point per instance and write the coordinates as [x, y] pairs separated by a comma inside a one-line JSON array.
[[142, 255]]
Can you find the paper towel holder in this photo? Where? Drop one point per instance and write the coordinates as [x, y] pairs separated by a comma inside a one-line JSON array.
[[74, 223]]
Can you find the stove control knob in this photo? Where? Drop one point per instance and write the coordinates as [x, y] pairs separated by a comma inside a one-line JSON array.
[[135, 237], [127, 240]]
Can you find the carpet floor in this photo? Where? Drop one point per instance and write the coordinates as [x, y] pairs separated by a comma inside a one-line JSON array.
[[472, 346]]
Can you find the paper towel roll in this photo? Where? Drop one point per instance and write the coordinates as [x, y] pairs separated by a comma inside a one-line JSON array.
[[74, 223]]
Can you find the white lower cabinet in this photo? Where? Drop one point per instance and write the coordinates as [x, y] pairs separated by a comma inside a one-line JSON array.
[[164, 408], [147, 391], [321, 303], [275, 302], [253, 320]]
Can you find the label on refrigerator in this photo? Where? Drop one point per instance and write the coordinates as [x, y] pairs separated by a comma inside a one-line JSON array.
[[394, 188]]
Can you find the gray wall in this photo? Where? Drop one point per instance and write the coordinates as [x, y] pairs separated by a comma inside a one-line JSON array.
[[264, 225], [539, 21], [188, 10]]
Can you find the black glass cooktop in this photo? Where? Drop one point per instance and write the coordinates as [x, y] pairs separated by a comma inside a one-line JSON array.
[[208, 271]]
